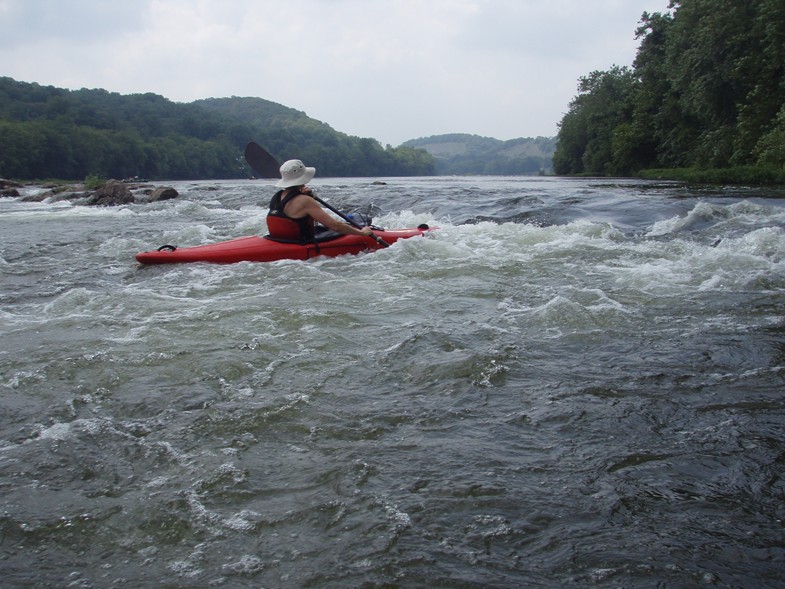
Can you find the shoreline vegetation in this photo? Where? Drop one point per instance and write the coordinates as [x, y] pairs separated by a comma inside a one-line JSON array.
[[702, 102], [740, 175]]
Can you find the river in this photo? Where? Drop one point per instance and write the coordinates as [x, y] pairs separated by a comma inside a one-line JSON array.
[[570, 383]]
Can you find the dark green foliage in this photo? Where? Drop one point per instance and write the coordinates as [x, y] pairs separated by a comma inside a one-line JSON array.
[[461, 154], [598, 125], [748, 175], [287, 133], [707, 91], [49, 132], [93, 182]]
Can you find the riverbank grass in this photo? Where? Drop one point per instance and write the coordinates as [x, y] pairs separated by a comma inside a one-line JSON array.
[[747, 175]]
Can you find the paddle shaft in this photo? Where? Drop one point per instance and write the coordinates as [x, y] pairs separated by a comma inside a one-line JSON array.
[[266, 166]]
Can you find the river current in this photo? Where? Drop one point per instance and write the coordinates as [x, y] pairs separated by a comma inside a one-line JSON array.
[[570, 383]]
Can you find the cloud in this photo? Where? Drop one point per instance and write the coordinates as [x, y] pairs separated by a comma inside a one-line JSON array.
[[87, 22], [388, 69]]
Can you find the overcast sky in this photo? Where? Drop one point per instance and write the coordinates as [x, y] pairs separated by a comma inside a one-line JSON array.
[[388, 69]]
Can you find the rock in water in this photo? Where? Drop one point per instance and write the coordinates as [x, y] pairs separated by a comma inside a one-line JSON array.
[[112, 193], [163, 193]]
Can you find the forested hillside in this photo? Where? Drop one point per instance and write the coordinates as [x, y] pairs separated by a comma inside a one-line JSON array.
[[288, 133], [706, 91], [472, 154], [49, 132]]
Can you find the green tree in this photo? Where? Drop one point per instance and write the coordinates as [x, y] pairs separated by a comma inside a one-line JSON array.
[[707, 91], [662, 130], [770, 149], [602, 110]]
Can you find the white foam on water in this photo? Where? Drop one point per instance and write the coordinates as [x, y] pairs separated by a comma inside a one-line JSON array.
[[61, 431], [73, 303], [208, 404]]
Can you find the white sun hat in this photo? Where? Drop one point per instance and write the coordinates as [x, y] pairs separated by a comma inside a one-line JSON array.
[[295, 173]]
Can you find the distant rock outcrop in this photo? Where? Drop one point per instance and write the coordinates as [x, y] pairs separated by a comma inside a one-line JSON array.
[[163, 193], [8, 188], [112, 193]]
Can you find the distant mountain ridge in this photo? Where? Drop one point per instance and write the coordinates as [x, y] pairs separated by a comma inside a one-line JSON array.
[[460, 153]]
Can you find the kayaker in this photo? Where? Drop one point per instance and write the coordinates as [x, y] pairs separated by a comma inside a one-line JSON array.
[[293, 213]]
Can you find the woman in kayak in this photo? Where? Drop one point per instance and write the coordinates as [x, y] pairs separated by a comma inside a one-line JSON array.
[[294, 214]]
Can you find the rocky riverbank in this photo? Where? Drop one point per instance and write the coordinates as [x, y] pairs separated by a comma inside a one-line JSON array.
[[111, 193]]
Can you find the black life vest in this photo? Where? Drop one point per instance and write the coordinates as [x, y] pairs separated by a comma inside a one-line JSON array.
[[282, 227]]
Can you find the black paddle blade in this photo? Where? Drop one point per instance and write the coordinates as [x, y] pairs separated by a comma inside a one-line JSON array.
[[261, 162]]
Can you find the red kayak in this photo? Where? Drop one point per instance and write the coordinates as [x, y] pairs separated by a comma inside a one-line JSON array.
[[264, 249]]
